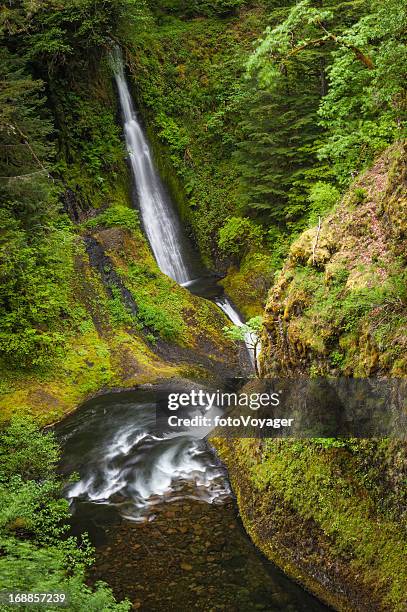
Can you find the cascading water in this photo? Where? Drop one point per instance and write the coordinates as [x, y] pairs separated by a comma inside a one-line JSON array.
[[161, 224], [130, 459], [159, 218], [131, 462], [234, 316]]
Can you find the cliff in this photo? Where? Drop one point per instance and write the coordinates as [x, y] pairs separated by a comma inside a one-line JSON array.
[[339, 304], [331, 512]]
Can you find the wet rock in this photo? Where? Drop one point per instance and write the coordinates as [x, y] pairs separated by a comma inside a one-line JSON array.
[[186, 567], [117, 498]]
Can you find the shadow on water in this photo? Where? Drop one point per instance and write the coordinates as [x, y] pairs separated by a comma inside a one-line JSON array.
[[158, 506]]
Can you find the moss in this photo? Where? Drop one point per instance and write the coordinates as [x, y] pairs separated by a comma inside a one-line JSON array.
[[108, 347], [330, 518], [394, 200], [248, 285], [342, 290]]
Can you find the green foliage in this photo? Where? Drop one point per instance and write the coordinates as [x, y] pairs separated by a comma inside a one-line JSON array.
[[240, 332], [154, 318], [116, 216], [25, 150], [55, 33], [150, 292], [24, 450], [119, 314], [68, 139], [239, 235], [89, 138], [323, 198], [346, 489], [337, 359], [249, 334], [365, 108], [359, 195], [204, 8], [35, 553], [35, 272]]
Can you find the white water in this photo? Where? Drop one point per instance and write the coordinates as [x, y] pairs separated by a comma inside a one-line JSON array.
[[161, 224], [127, 458], [160, 221], [234, 316]]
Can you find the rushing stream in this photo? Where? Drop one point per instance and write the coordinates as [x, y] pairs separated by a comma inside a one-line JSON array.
[[159, 508]]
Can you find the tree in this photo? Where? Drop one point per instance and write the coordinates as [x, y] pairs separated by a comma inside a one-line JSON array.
[[249, 334], [363, 61], [36, 555], [365, 109]]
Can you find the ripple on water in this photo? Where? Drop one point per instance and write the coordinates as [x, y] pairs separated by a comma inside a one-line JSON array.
[[183, 546]]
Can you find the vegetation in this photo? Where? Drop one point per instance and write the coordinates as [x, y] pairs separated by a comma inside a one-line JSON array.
[[37, 553], [336, 493], [44, 49], [339, 304], [251, 134], [278, 127], [249, 333]]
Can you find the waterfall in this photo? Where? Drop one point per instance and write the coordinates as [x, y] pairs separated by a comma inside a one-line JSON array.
[[159, 219], [236, 319]]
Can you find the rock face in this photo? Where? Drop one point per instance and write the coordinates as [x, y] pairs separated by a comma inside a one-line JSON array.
[[332, 517], [339, 305], [331, 512]]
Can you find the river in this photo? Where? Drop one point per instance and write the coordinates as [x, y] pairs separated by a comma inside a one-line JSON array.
[[159, 508]]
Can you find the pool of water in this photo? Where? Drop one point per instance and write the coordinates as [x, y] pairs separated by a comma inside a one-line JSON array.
[[159, 508]]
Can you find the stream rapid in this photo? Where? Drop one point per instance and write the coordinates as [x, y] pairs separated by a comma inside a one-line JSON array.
[[158, 506]]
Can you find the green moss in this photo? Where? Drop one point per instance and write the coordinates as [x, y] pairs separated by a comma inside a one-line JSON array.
[[339, 306], [248, 285], [105, 345], [116, 215], [351, 495]]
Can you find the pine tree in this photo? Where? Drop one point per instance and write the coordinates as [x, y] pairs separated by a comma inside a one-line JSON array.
[[25, 149]]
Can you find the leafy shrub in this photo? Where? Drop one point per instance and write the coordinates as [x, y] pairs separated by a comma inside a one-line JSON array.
[[159, 321], [24, 450], [359, 195], [239, 235], [35, 280], [322, 198], [35, 552], [116, 216]]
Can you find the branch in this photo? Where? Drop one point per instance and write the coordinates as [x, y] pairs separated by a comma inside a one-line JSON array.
[[314, 248], [365, 59], [23, 176], [26, 142]]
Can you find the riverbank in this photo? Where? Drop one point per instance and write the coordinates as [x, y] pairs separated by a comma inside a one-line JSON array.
[[325, 515]]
